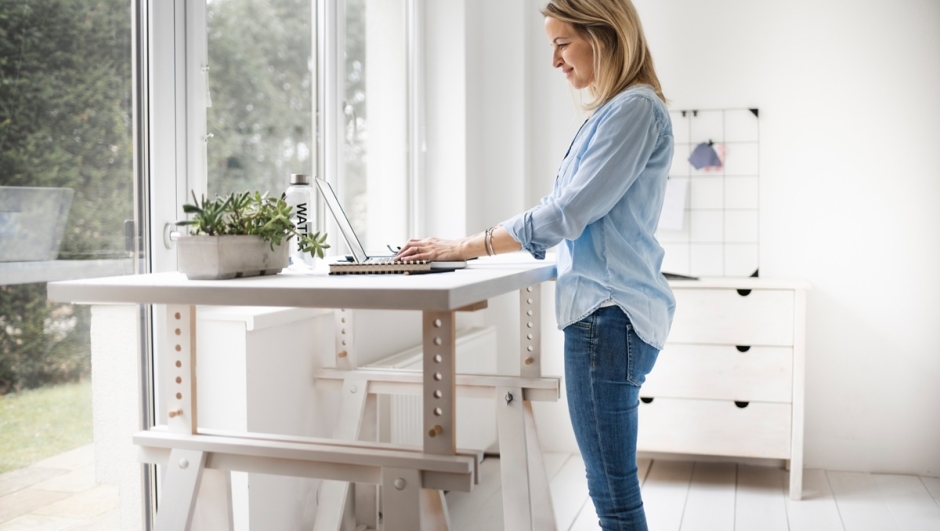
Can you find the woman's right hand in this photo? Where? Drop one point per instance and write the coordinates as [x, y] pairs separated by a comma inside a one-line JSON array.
[[432, 249]]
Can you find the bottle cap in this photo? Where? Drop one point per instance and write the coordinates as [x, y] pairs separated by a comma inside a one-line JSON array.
[[299, 178]]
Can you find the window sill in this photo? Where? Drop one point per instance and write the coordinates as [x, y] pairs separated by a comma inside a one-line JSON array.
[[48, 271]]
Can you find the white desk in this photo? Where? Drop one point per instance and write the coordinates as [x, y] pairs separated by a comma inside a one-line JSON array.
[[406, 475]]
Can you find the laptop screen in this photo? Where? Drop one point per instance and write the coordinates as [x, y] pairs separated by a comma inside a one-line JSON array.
[[341, 220]]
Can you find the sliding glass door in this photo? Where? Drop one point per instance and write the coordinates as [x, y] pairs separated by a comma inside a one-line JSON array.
[[72, 205]]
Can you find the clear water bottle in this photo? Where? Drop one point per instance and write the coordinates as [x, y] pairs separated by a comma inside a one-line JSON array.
[[299, 196]]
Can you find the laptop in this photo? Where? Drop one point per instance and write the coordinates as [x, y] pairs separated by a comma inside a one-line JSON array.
[[32, 222], [372, 264]]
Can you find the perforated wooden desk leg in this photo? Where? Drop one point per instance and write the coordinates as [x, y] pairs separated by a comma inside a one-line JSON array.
[[440, 383], [180, 487], [178, 364], [530, 332]]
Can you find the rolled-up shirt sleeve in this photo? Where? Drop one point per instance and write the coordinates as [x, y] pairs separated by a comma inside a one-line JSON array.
[[616, 151], [520, 228]]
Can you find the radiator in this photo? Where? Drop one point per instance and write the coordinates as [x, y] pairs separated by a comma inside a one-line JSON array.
[[399, 417]]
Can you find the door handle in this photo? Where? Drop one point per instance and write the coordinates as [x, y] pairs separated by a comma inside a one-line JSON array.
[[170, 235]]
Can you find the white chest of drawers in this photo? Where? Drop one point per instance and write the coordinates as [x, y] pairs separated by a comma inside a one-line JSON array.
[[730, 381]]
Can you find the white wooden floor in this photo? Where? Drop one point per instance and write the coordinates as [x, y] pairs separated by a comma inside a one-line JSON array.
[[696, 496]]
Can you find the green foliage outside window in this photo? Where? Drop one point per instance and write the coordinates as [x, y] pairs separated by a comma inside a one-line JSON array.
[[65, 112], [65, 121], [261, 80]]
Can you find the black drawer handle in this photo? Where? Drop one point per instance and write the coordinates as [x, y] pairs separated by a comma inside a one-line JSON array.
[[741, 405], [743, 348], [744, 292], [646, 400]]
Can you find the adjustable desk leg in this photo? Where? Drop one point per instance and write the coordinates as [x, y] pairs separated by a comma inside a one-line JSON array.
[[527, 503], [333, 508], [543, 512], [401, 498], [184, 484], [440, 409], [440, 383], [530, 349], [530, 332], [514, 467], [183, 476]]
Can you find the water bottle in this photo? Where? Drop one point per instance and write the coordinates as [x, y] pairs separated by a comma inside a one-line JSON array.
[[299, 196]]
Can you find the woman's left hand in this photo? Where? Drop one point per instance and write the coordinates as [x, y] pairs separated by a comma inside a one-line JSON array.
[[431, 249]]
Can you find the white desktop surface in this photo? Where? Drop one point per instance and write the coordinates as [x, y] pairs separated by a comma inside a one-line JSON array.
[[480, 280]]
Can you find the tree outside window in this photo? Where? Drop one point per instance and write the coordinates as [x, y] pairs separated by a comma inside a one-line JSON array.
[[65, 122]]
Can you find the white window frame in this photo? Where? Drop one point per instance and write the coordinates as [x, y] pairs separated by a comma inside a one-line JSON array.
[[328, 48], [417, 124]]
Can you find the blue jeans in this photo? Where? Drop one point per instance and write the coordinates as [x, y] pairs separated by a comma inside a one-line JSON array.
[[605, 364]]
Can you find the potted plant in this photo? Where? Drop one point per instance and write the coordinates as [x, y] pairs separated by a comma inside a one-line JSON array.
[[240, 235]]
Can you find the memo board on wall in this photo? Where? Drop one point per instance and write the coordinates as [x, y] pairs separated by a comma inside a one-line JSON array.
[[720, 231]]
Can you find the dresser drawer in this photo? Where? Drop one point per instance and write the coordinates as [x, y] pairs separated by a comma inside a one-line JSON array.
[[715, 427], [723, 372], [724, 316]]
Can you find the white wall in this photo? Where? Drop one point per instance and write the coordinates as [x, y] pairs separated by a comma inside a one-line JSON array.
[[850, 170], [850, 124]]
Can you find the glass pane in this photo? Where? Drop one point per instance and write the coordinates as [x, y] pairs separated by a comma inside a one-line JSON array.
[[261, 85], [373, 183], [66, 191]]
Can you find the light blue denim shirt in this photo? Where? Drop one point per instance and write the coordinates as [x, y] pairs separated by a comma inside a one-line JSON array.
[[603, 211]]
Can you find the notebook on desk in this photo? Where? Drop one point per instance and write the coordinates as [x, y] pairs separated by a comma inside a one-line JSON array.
[[362, 263]]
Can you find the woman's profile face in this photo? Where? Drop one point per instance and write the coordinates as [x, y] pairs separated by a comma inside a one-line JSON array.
[[572, 53]]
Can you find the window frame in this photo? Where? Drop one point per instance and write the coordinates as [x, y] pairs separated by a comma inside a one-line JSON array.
[[328, 46]]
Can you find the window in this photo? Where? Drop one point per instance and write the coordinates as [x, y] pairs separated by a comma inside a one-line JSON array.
[[260, 85], [67, 209], [263, 111], [372, 176]]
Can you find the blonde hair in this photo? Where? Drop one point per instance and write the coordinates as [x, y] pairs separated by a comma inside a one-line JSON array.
[[621, 57]]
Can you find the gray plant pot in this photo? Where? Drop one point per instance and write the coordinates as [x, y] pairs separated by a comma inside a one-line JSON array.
[[221, 257]]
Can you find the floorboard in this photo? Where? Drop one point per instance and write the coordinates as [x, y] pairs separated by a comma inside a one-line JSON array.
[[710, 505], [687, 496], [664, 494], [861, 506], [481, 509], [759, 499], [587, 518], [933, 486], [909, 502], [569, 487], [553, 463], [817, 510]]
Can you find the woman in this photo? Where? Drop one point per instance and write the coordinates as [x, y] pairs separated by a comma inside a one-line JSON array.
[[612, 302]]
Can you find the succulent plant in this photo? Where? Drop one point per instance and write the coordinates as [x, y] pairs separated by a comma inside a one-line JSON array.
[[247, 213]]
